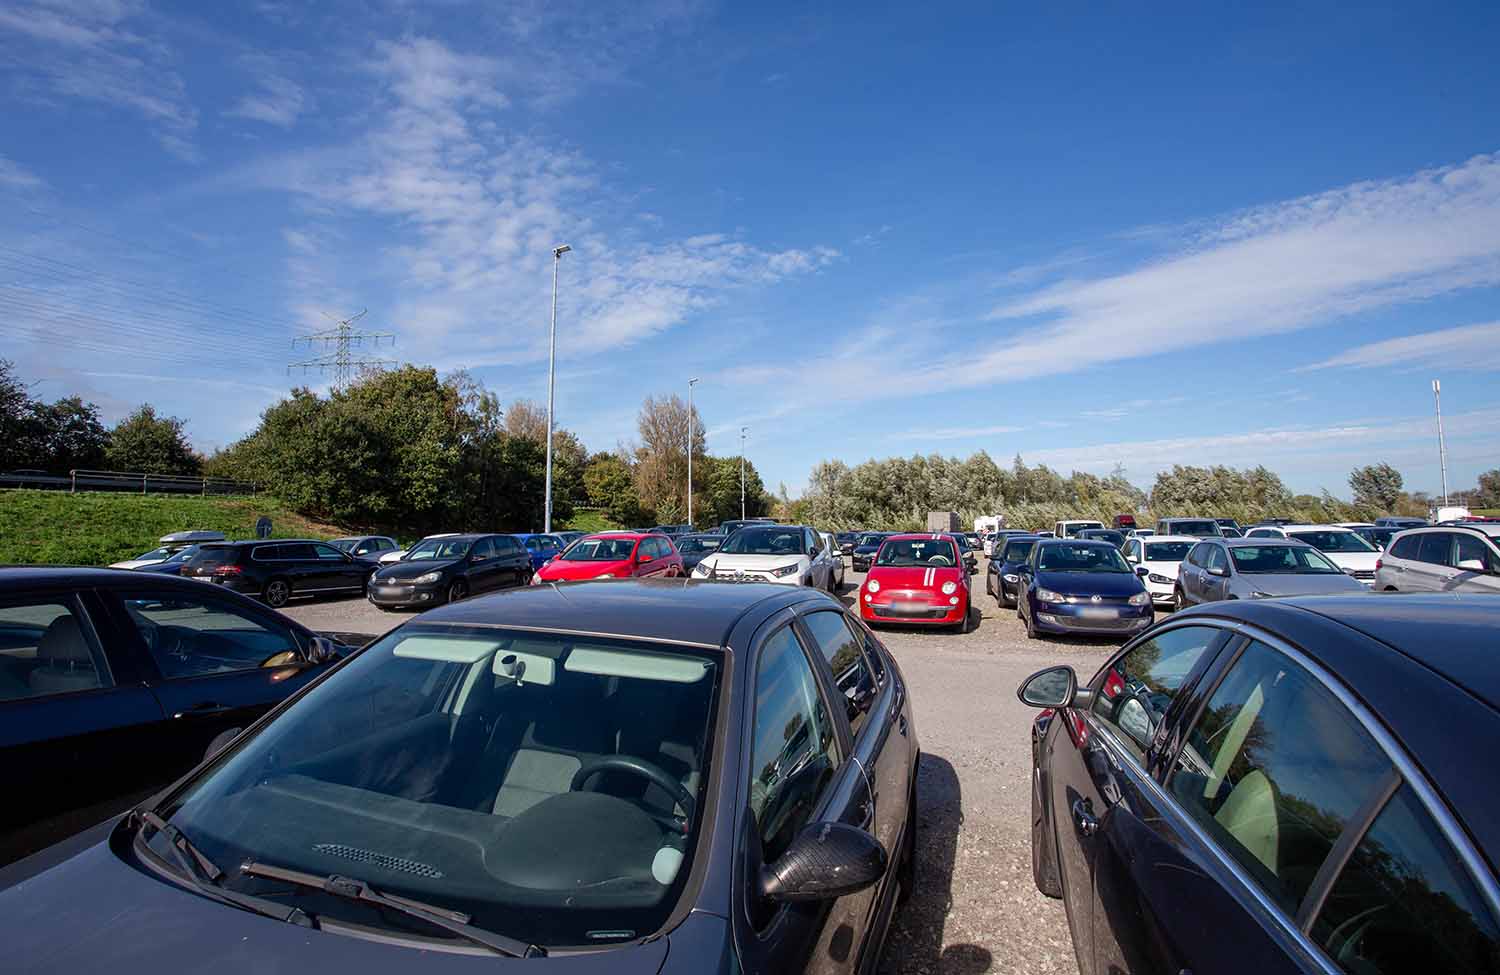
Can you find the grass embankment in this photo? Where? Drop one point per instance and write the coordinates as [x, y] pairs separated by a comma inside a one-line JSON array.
[[589, 521], [98, 528]]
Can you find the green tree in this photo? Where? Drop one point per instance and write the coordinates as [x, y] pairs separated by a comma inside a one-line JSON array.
[[1377, 486], [15, 417], [67, 435], [1488, 494], [151, 444], [608, 481], [719, 491]]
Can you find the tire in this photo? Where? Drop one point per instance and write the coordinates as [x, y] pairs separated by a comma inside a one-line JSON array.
[[277, 592], [1043, 851], [967, 626], [1178, 603], [1030, 622], [458, 590]]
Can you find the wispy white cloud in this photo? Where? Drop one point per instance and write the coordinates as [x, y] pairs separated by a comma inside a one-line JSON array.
[[17, 177], [1465, 347], [280, 101], [953, 433]]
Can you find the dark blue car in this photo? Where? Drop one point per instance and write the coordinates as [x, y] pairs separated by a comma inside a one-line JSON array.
[[1003, 575], [541, 548], [639, 777], [1278, 786], [1071, 585]]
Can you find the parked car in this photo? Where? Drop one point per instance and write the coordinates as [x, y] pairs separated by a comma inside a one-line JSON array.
[[113, 684], [786, 554], [674, 529], [541, 549], [168, 546], [847, 541], [366, 545], [1344, 547], [1109, 535], [1140, 533], [864, 552], [616, 555], [1070, 528], [836, 563], [387, 558], [1260, 786], [917, 578], [1399, 521], [1377, 535], [1229, 532], [278, 570], [172, 564], [715, 779], [1255, 568], [1228, 523], [1463, 558], [1124, 522], [1077, 586], [973, 541], [1157, 560], [1197, 527], [735, 524], [447, 568], [568, 537], [1003, 575], [695, 548], [998, 538], [1046, 534]]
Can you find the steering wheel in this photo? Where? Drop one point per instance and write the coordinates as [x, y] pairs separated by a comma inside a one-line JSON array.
[[637, 766], [940, 560]]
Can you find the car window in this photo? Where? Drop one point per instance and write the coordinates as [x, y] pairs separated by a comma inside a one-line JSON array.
[[531, 544], [190, 636], [1133, 694], [1216, 559], [1196, 554], [1406, 547], [47, 648], [793, 748], [506, 545], [483, 549], [1468, 548], [366, 547], [1274, 768], [328, 553], [1436, 547], [299, 551], [1405, 903], [851, 672]]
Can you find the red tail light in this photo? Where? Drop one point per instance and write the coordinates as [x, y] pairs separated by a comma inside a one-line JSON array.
[[227, 570], [1377, 565]]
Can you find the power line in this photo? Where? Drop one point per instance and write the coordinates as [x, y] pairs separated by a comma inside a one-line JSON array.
[[340, 340]]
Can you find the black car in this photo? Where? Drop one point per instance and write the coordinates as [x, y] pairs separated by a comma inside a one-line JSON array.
[[1072, 585], [114, 683], [634, 776], [1003, 575], [734, 525], [695, 548], [1277, 786], [275, 571], [1115, 538], [847, 541], [864, 552], [446, 568]]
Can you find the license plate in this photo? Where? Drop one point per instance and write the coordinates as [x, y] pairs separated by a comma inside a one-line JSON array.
[[908, 607], [1098, 613], [391, 591]]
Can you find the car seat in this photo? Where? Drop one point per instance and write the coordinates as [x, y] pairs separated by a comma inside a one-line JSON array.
[[64, 662]]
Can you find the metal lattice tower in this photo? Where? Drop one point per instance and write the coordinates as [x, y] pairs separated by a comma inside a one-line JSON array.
[[340, 342]]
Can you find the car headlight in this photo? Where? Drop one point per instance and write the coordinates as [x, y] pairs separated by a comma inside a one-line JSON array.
[[1011, 577], [1160, 580], [1048, 596], [428, 578], [873, 585], [949, 588], [536, 579], [1140, 599], [786, 570]]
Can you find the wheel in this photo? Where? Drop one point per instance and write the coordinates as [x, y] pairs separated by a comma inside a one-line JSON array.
[[1031, 633], [1177, 600], [906, 870], [457, 591], [1043, 850], [967, 626], [276, 593]]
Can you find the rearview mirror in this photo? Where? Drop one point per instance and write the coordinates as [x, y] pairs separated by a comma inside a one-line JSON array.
[[1055, 687], [825, 860]]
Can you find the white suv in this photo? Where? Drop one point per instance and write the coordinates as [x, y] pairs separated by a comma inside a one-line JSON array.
[[1344, 547], [1453, 558]]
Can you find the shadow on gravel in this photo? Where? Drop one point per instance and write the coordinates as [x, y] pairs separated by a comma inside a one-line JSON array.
[[915, 943]]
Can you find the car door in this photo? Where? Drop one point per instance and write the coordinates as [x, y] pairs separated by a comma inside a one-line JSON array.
[[298, 562], [799, 771], [513, 559], [1476, 565], [1215, 587], [1190, 578], [1095, 782], [77, 726], [336, 570], [1433, 569], [213, 664]]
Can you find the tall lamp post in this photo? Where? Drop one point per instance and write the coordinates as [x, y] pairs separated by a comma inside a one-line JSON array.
[[691, 384], [743, 431], [1437, 402], [557, 253]]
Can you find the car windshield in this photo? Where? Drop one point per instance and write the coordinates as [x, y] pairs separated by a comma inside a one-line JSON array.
[[764, 541], [1293, 559], [182, 555], [1167, 551], [495, 773], [1195, 528], [438, 548], [872, 539], [1018, 551], [917, 551], [704, 543], [599, 550], [156, 554], [1081, 558], [1334, 541], [1074, 528]]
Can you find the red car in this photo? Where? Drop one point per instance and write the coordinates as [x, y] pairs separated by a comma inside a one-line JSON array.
[[614, 555], [917, 579]]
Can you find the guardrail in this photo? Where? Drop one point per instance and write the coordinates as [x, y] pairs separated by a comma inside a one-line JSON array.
[[133, 481]]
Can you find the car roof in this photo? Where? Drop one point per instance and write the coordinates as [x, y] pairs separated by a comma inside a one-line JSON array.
[[21, 578], [1311, 528], [1055, 542], [675, 610], [623, 533], [243, 542], [902, 536], [1153, 539], [1188, 518], [1257, 542]]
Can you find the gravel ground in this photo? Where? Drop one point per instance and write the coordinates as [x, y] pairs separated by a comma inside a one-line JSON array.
[[975, 908]]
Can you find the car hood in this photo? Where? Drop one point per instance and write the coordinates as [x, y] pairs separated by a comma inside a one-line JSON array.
[[866, 549], [410, 570], [1359, 561], [1293, 584], [757, 563], [95, 913], [690, 561], [1091, 583], [914, 576], [559, 570]]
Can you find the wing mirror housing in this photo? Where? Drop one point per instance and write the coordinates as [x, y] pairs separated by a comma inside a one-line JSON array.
[[824, 861], [1055, 687], [1142, 571], [1218, 570], [321, 650]]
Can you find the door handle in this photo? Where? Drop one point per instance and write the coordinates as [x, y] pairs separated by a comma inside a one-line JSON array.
[[201, 710], [1084, 819]]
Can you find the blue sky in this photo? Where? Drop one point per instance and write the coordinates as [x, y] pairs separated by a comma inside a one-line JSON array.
[[1089, 236]]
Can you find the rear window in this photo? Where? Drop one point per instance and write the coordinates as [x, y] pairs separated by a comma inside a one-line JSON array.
[[1204, 527], [216, 555]]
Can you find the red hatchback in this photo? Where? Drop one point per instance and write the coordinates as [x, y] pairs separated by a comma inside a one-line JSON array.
[[917, 579], [614, 555]]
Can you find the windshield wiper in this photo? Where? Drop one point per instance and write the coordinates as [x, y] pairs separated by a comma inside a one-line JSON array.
[[357, 890]]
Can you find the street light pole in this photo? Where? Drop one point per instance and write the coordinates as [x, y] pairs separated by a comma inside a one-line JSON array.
[[742, 472], [691, 384], [1437, 401], [557, 253]]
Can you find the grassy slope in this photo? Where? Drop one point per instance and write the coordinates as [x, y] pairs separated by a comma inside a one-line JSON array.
[[100, 528], [589, 521]]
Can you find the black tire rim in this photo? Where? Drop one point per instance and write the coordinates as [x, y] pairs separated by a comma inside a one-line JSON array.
[[277, 593], [456, 592]]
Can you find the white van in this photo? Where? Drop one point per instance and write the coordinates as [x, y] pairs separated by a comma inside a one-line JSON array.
[[1068, 529]]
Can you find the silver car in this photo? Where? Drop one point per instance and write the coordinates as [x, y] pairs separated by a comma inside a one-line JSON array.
[[1453, 558], [1255, 568]]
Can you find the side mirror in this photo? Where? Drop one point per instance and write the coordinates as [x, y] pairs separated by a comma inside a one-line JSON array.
[[1471, 565], [825, 860], [321, 650], [643, 558], [1218, 570], [812, 553], [1055, 687], [1142, 571]]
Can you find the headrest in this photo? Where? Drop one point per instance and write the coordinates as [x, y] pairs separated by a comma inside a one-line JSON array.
[[62, 643]]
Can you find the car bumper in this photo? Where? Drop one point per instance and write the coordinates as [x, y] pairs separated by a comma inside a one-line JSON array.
[[936, 613], [234, 583], [399, 595], [1161, 592], [1069, 618]]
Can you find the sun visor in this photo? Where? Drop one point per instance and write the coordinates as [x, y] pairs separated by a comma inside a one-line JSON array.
[[450, 649], [642, 666]]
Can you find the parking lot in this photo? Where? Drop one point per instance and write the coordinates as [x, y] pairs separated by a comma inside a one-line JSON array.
[[975, 909]]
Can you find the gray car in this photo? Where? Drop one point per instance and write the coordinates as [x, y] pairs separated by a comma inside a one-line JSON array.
[[1457, 558], [1254, 568]]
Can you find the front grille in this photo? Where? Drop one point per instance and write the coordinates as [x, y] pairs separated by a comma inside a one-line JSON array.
[[1083, 623], [894, 612], [1364, 575], [398, 864]]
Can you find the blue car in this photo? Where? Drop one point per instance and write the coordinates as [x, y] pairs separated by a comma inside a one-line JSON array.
[[172, 564], [541, 548], [1071, 585]]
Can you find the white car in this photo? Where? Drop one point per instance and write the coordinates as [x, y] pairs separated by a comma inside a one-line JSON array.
[[791, 555], [170, 546], [1345, 547], [1161, 556]]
